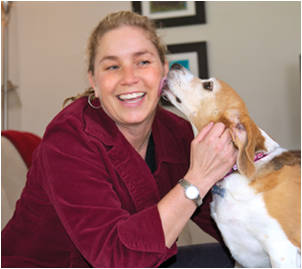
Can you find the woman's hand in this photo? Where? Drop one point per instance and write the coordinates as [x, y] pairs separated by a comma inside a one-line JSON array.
[[212, 156]]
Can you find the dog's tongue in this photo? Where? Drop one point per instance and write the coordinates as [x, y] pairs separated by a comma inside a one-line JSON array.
[[162, 84]]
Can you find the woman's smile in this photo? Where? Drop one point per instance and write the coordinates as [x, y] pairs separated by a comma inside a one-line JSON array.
[[131, 98], [127, 76]]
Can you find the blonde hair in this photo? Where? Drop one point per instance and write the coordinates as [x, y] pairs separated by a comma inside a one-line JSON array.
[[113, 21]]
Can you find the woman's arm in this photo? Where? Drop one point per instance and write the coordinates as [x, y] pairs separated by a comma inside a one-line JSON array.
[[95, 205]]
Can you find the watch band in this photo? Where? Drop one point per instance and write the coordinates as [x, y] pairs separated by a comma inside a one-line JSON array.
[[186, 184]]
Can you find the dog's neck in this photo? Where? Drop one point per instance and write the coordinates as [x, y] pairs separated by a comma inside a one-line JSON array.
[[258, 157]]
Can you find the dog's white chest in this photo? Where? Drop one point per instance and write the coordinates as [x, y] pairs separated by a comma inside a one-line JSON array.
[[248, 230]]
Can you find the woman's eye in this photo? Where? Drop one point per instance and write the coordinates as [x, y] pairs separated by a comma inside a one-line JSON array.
[[144, 62], [112, 67]]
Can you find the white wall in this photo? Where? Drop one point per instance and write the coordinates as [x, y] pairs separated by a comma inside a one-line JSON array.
[[48, 62], [253, 46]]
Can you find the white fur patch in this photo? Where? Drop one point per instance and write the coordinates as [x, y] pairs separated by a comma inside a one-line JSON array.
[[253, 236]]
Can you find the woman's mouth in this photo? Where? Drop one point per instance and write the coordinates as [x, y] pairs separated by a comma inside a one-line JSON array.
[[131, 97]]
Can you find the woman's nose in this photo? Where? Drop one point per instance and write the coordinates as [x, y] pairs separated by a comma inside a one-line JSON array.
[[129, 76]]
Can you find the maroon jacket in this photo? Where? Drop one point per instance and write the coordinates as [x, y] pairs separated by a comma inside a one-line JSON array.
[[91, 200]]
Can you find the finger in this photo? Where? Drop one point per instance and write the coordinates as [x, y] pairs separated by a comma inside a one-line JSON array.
[[226, 136], [217, 130], [226, 139], [203, 132], [234, 151]]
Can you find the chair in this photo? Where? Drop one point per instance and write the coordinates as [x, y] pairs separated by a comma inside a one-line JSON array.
[[16, 152]]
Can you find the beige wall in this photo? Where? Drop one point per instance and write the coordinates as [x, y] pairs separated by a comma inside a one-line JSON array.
[[253, 46]]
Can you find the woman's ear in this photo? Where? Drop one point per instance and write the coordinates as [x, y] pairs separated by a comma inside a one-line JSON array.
[[166, 67], [92, 83]]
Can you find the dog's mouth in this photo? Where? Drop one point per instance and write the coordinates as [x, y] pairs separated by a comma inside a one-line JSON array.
[[163, 86], [165, 91]]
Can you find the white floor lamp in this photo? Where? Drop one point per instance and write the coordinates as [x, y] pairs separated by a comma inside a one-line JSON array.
[[5, 8]]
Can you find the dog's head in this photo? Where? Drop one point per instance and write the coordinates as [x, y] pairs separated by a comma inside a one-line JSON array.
[[208, 100]]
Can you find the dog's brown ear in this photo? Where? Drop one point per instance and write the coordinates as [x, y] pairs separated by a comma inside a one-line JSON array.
[[244, 133]]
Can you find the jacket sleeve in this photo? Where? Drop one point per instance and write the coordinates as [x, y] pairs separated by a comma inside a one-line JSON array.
[[76, 179]]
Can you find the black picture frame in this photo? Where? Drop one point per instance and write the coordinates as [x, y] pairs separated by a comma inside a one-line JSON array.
[[202, 60], [198, 18], [200, 48]]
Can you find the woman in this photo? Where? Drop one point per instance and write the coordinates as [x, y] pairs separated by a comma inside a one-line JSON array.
[[103, 189]]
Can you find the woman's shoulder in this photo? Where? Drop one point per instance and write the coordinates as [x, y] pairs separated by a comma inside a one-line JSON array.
[[81, 120], [72, 114], [74, 109]]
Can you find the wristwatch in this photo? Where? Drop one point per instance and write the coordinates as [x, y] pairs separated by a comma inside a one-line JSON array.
[[191, 191]]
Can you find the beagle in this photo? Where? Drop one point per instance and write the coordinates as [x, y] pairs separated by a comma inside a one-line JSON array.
[[257, 205]]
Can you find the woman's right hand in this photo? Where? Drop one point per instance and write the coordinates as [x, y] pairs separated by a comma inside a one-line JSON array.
[[212, 156]]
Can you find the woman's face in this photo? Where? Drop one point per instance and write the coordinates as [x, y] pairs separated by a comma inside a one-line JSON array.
[[128, 72]]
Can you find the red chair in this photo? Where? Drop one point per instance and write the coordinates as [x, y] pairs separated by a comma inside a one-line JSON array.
[[16, 158]]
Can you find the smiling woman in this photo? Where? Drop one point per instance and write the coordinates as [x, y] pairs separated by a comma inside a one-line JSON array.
[[103, 187], [127, 80]]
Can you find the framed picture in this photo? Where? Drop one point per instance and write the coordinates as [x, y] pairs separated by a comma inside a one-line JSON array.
[[192, 56], [172, 13]]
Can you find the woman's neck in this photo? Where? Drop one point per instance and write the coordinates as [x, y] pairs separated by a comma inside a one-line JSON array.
[[137, 136]]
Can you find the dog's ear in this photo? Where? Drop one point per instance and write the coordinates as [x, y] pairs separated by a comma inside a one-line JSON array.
[[244, 133]]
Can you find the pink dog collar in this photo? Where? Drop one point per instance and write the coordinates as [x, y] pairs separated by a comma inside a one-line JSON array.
[[258, 156]]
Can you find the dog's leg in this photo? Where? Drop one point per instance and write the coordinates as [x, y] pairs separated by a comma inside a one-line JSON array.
[[285, 255], [298, 262]]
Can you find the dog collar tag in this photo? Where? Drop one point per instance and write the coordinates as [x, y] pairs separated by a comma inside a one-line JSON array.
[[218, 191]]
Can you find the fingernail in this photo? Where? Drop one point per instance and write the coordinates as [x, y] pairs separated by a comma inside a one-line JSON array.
[[210, 123]]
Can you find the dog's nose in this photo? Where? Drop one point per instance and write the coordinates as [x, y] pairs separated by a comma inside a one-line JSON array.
[[176, 66]]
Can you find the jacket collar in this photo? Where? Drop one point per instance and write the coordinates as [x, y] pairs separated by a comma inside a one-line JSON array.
[[103, 128]]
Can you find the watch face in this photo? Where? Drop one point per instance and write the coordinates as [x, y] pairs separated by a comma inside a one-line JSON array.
[[192, 192]]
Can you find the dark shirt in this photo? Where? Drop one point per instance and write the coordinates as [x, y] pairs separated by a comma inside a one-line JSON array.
[[150, 155]]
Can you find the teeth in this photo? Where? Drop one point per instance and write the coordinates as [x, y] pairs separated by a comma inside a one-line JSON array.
[[131, 95]]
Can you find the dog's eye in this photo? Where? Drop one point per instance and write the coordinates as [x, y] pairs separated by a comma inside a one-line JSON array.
[[208, 85], [178, 100]]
